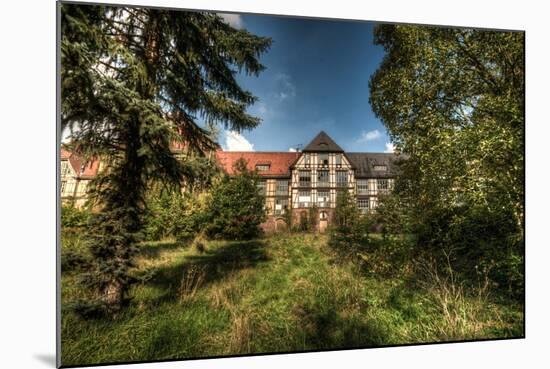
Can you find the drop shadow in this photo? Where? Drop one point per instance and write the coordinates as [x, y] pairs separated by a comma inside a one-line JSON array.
[[48, 359]]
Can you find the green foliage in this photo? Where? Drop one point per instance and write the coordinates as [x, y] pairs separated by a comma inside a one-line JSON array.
[[453, 102], [175, 214], [74, 255], [236, 207], [349, 232], [73, 217], [134, 81]]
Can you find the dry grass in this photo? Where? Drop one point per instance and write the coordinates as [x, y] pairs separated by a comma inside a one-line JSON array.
[[462, 315], [192, 279]]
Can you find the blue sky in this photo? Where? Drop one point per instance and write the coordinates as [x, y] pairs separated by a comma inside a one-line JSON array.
[[316, 79]]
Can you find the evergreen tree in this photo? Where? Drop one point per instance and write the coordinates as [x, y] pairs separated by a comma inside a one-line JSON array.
[[134, 81]]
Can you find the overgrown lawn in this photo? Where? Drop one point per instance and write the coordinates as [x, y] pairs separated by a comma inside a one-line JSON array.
[[281, 293]]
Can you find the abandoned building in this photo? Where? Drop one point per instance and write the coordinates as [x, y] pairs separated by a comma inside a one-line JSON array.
[[297, 181], [290, 181]]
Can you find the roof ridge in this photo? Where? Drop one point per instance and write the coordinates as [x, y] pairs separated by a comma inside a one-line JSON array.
[[322, 142]]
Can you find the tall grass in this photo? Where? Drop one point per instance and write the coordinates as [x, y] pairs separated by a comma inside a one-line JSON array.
[[283, 293]]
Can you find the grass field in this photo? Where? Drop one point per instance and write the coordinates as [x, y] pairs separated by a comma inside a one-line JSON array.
[[282, 293]]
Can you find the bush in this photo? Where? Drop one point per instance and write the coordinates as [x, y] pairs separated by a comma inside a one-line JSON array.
[[236, 207], [173, 214], [477, 239], [349, 232], [74, 255], [73, 217]]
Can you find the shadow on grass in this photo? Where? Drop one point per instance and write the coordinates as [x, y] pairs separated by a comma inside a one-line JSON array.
[[324, 328], [213, 265], [153, 250]]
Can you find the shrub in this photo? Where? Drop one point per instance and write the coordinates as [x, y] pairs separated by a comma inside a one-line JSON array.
[[350, 230], [480, 239], [236, 207], [192, 217], [173, 214], [73, 217]]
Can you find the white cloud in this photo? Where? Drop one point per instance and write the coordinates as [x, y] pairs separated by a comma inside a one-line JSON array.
[[369, 136], [292, 149], [234, 141], [285, 87], [234, 20], [262, 108], [390, 148]]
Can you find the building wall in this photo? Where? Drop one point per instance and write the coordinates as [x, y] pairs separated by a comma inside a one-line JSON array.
[[74, 189], [365, 190]]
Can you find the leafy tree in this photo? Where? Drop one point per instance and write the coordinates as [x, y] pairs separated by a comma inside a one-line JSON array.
[[349, 231], [176, 213], [453, 101], [236, 206], [134, 81]]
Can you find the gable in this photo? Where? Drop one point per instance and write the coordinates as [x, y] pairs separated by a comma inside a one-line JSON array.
[[322, 143]]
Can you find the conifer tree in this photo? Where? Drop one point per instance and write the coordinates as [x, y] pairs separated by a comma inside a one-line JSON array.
[[134, 81]]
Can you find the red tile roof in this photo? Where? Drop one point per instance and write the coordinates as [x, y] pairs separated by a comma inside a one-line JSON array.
[[83, 169], [279, 162]]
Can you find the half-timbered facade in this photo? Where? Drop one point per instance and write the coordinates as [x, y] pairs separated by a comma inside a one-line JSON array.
[[296, 181], [76, 174], [290, 181]]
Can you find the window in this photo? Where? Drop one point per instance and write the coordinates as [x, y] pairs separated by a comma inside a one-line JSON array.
[[323, 199], [341, 178], [382, 185], [281, 206], [304, 198], [262, 167], [322, 177], [64, 168], [362, 186], [282, 188], [380, 168], [307, 159], [323, 215], [262, 187], [323, 159], [363, 205], [63, 187], [338, 159], [304, 178]]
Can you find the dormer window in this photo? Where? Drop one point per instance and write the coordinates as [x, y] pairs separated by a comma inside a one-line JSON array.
[[323, 145], [323, 159], [380, 168], [262, 167]]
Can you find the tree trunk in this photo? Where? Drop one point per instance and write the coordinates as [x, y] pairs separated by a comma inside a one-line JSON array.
[[112, 295]]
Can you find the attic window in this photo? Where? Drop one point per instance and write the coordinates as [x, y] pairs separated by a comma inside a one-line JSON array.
[[380, 168], [323, 144], [262, 167], [323, 159]]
